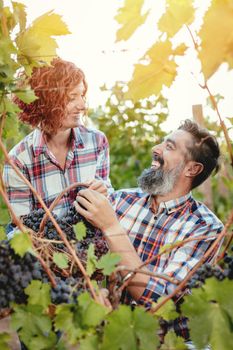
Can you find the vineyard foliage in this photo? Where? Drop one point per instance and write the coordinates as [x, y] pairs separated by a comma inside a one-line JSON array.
[[132, 119]]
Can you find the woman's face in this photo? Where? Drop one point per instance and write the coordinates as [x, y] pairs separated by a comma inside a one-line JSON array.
[[75, 107]]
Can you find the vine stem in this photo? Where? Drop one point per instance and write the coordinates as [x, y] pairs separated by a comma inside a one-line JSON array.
[[165, 277], [201, 261], [56, 201], [21, 227], [57, 227]]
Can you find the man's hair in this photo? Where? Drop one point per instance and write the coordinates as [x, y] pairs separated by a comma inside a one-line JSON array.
[[204, 150], [52, 85]]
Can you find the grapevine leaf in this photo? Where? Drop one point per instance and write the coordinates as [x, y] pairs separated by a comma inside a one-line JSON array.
[[217, 24], [91, 260], [108, 263], [167, 311], [61, 260], [177, 14], [36, 42], [172, 341], [21, 243], [89, 343], [222, 293], [65, 322], [92, 313], [20, 14], [4, 341], [39, 293], [130, 18], [80, 230], [126, 329], [8, 106], [2, 233], [32, 325], [145, 326], [208, 320], [26, 96], [119, 333], [160, 70]]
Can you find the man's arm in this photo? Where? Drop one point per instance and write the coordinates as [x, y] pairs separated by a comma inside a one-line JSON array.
[[99, 212], [181, 260]]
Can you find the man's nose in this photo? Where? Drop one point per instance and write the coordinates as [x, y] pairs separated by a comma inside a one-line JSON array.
[[158, 149]]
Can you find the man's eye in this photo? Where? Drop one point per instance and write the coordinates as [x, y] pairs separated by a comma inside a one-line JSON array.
[[169, 146]]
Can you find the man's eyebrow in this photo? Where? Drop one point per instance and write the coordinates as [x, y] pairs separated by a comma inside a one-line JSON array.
[[167, 139]]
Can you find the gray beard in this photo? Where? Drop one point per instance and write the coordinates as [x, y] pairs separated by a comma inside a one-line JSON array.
[[158, 181]]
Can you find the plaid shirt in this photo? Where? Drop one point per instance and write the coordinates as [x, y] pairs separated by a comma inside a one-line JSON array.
[[88, 158], [174, 221]]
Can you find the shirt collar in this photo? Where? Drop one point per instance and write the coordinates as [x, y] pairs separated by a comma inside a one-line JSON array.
[[172, 205], [39, 144]]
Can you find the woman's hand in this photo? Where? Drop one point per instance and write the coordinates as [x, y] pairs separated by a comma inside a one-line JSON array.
[[96, 208], [97, 185]]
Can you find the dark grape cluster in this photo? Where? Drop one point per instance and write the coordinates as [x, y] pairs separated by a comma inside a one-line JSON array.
[[16, 273], [207, 271], [67, 290], [66, 223]]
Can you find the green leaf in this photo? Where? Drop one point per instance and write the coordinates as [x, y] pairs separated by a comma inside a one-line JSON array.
[[39, 294], [145, 327], [2, 233], [173, 342], [4, 341], [89, 343], [80, 230], [91, 260], [21, 243], [118, 333], [209, 319], [65, 322], [32, 326], [127, 330], [26, 96], [61, 260], [92, 312], [108, 263], [167, 311]]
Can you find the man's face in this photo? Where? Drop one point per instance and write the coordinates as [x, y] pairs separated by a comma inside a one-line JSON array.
[[168, 164]]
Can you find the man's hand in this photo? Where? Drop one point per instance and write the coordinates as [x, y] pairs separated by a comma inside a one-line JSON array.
[[96, 208], [97, 185]]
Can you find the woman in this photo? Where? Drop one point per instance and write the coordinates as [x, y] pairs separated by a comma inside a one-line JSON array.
[[61, 150]]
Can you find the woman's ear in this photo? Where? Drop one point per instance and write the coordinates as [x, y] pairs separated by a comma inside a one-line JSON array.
[[193, 169]]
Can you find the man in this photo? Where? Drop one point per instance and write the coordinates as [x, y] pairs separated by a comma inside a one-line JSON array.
[[162, 211]]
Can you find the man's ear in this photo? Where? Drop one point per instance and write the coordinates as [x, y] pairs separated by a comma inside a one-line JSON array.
[[193, 169]]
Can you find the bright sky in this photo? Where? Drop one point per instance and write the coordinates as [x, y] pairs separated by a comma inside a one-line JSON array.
[[92, 47]]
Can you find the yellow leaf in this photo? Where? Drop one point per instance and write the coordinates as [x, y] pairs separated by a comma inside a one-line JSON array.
[[50, 24], [217, 37], [36, 43], [177, 14], [149, 79], [130, 18]]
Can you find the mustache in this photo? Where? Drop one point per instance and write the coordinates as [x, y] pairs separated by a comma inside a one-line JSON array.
[[157, 158]]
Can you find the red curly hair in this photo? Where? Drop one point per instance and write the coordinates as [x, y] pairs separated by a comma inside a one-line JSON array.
[[51, 85]]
